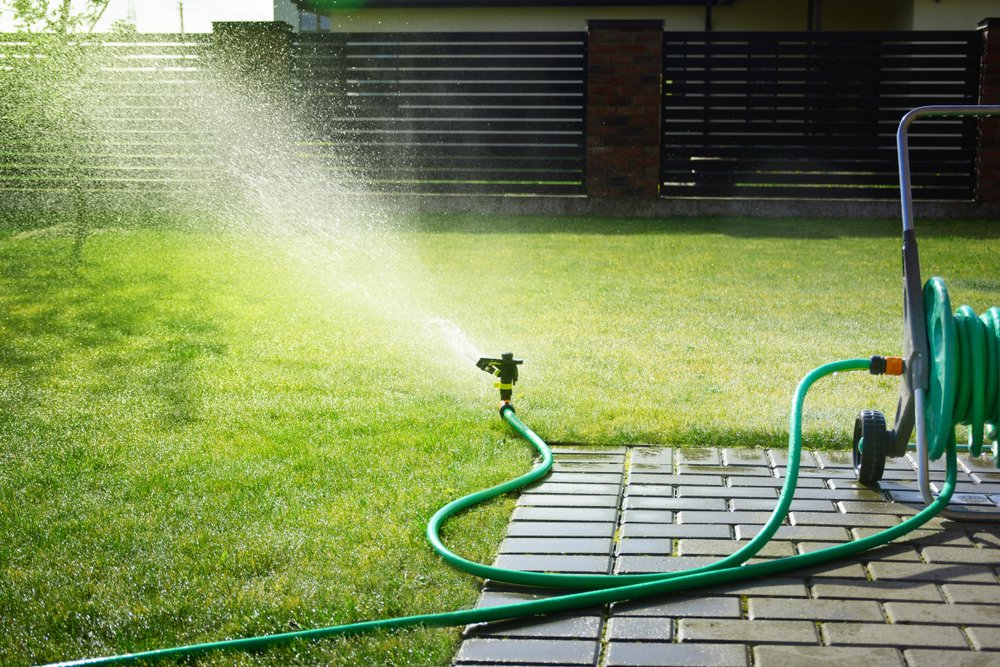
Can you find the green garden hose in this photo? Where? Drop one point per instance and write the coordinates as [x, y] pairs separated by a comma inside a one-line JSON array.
[[964, 372], [602, 589]]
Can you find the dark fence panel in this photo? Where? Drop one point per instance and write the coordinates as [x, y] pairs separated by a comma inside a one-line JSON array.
[[814, 115], [447, 112]]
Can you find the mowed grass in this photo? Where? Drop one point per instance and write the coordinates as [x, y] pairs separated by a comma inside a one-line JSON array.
[[207, 435]]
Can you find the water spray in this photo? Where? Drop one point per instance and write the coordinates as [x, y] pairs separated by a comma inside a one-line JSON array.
[[950, 375]]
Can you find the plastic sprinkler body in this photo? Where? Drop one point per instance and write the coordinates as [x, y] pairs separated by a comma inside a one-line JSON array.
[[505, 368]]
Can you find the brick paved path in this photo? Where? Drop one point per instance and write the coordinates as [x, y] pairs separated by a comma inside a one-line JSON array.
[[933, 599]]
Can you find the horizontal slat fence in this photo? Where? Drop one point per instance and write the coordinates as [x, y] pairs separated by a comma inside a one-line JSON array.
[[448, 112], [814, 115], [118, 120], [754, 114]]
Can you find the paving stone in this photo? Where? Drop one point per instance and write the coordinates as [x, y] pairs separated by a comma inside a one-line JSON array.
[[851, 589], [797, 533], [834, 459], [585, 477], [547, 563], [806, 458], [677, 530], [644, 490], [839, 494], [664, 455], [916, 499], [922, 537], [873, 507], [798, 504], [556, 545], [656, 654], [637, 516], [662, 546], [960, 555], [757, 632], [938, 573], [581, 454], [566, 500], [639, 628], [554, 627], [985, 539], [499, 594], [972, 594], [680, 607], [648, 530], [985, 639], [796, 656], [743, 457], [583, 450], [762, 586], [574, 488], [642, 476], [814, 610], [726, 470], [573, 514], [691, 516], [648, 503], [806, 483], [639, 564], [528, 651], [687, 491], [698, 456], [881, 634], [983, 463], [820, 473], [937, 658], [893, 551], [828, 519], [586, 466], [560, 529], [695, 547], [943, 614], [702, 504]]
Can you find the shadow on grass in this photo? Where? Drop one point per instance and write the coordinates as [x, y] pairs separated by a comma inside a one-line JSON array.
[[790, 228], [120, 334]]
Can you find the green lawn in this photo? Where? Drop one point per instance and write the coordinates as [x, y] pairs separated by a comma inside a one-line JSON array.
[[209, 434]]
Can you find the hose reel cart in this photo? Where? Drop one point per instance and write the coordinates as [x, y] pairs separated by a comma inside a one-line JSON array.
[[951, 362]]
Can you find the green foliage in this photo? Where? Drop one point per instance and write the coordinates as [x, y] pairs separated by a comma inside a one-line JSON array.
[[56, 16]]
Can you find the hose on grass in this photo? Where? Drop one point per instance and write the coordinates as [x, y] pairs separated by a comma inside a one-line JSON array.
[[596, 589]]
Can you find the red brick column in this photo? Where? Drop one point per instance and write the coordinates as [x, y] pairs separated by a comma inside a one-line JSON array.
[[624, 71], [988, 148]]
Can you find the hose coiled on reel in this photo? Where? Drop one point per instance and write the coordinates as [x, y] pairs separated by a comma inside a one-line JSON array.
[[964, 378]]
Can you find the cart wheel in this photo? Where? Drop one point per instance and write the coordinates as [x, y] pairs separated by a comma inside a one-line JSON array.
[[871, 445]]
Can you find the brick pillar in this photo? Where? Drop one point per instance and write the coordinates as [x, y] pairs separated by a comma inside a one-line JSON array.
[[988, 145], [624, 72]]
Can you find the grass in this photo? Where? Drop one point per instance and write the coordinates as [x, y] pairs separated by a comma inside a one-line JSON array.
[[209, 434]]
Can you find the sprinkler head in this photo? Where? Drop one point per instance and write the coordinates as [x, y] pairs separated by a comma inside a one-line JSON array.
[[506, 369]]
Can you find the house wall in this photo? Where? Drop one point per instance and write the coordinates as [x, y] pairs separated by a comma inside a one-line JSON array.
[[741, 15], [952, 14]]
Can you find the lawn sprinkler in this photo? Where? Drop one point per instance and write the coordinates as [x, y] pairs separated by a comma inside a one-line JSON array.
[[504, 368], [950, 375]]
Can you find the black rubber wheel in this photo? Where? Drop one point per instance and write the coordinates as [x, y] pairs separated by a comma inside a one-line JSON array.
[[869, 456]]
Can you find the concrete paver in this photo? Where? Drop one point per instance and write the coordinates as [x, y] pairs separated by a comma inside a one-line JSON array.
[[932, 597]]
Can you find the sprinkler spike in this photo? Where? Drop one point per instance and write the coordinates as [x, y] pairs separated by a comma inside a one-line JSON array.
[[506, 369]]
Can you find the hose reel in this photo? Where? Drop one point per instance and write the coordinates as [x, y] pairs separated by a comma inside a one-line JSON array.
[[963, 385]]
